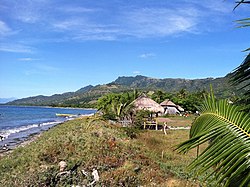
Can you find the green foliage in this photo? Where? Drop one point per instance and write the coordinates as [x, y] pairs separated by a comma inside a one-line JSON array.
[[116, 105], [131, 132], [241, 75], [228, 131], [159, 96], [188, 100], [141, 116]]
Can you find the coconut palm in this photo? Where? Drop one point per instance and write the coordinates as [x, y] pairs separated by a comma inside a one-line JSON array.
[[241, 75], [227, 128], [117, 105], [228, 131]]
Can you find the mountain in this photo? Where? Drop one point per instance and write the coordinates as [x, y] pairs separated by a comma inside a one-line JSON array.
[[84, 89], [87, 96], [5, 100], [221, 86]]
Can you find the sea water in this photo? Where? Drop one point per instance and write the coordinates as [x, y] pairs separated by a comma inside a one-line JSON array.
[[17, 123]]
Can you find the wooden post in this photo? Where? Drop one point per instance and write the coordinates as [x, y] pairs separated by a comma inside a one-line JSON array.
[[144, 125], [165, 128], [197, 150]]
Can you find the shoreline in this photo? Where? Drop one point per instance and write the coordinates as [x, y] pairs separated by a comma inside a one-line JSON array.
[[27, 141], [49, 107], [33, 137]]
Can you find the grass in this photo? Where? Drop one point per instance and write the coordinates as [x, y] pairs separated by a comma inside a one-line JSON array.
[[144, 159]]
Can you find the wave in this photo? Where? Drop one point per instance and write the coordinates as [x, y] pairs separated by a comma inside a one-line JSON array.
[[5, 133]]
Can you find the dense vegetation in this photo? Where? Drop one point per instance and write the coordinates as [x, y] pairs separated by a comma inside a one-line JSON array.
[[118, 106], [88, 96]]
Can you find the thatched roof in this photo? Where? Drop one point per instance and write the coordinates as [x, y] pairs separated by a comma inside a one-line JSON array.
[[180, 108], [167, 102], [145, 103]]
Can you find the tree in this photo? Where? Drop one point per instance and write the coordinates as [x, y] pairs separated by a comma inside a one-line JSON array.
[[116, 106], [158, 96], [228, 130], [241, 75]]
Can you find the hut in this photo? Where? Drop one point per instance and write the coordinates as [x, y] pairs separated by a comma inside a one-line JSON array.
[[145, 103], [171, 108]]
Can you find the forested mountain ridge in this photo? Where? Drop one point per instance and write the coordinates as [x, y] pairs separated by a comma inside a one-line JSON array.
[[87, 96]]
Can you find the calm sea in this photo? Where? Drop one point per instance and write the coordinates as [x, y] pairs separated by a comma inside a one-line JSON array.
[[17, 123]]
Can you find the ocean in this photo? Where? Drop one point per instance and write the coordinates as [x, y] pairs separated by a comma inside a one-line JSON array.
[[17, 123]]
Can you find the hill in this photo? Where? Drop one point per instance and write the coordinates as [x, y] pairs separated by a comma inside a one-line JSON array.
[[5, 100], [87, 96]]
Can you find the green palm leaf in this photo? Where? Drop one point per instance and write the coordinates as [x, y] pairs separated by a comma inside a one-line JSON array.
[[227, 129]]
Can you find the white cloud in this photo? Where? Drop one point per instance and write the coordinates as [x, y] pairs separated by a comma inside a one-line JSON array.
[[136, 72], [16, 48], [28, 59], [139, 23], [147, 55], [82, 29], [138, 20], [72, 9], [4, 29], [158, 22]]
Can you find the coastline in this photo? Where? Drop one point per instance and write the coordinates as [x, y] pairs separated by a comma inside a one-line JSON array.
[[5, 104], [34, 136], [17, 123], [27, 141]]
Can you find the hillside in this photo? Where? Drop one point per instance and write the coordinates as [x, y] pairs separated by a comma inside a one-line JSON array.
[[87, 96], [144, 159]]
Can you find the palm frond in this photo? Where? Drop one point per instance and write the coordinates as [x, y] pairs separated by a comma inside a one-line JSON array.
[[228, 131], [238, 3], [243, 22], [242, 73]]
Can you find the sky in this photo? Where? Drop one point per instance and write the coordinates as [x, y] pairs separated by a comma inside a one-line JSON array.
[[55, 46]]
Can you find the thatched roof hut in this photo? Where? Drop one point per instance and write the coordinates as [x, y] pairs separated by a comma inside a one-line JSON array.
[[180, 108], [170, 107], [167, 102], [145, 103]]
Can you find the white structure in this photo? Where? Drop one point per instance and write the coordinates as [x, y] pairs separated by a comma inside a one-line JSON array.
[[171, 108]]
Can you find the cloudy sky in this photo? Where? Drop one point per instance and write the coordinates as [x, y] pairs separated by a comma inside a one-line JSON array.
[[49, 47]]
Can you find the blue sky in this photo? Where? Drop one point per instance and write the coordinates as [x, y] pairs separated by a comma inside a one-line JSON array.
[[49, 47]]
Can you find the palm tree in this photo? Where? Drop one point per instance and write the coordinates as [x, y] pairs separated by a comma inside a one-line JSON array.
[[228, 153], [117, 105], [227, 128], [241, 75]]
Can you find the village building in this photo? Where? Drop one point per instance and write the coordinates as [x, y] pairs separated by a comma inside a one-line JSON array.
[[145, 103], [171, 108]]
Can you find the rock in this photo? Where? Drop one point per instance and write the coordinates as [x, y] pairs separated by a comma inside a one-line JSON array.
[[62, 165]]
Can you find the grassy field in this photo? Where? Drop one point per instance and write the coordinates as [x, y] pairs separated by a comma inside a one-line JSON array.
[[122, 157]]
